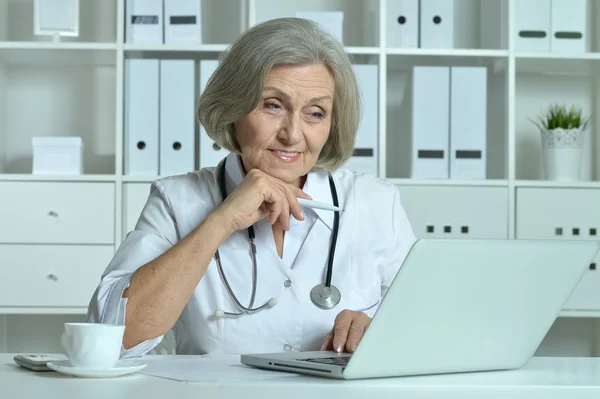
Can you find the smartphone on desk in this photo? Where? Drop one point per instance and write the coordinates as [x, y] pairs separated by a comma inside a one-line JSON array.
[[37, 362]]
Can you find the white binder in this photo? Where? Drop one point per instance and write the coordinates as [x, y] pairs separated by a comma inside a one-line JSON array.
[[141, 117], [332, 21], [177, 99], [430, 122], [403, 23], [364, 159], [448, 23], [210, 152], [183, 22], [571, 26], [437, 24], [468, 122], [533, 25], [144, 21]]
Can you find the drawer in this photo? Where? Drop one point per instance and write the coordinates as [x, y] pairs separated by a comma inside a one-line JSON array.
[[135, 196], [558, 213], [456, 212], [586, 295], [57, 213], [51, 275], [569, 214]]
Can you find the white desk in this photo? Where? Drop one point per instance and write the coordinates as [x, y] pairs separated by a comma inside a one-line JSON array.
[[547, 378]]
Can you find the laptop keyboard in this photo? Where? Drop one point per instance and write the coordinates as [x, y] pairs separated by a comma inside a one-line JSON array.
[[334, 360]]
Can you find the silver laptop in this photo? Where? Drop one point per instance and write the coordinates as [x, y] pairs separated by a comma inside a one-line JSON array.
[[457, 306]]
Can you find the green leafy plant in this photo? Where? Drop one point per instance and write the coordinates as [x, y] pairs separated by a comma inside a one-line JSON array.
[[559, 116]]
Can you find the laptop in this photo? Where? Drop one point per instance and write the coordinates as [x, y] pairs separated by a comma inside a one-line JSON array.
[[456, 305]]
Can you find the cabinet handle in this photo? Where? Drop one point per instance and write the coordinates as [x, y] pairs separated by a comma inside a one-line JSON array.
[[52, 276], [53, 214]]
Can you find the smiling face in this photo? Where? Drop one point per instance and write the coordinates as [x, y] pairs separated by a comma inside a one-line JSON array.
[[283, 136]]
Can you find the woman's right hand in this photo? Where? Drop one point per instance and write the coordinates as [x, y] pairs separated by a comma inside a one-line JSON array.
[[260, 195]]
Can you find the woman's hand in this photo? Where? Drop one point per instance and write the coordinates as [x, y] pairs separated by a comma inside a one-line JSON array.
[[348, 329], [259, 195]]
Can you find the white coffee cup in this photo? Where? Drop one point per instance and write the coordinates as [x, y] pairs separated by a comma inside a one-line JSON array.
[[92, 345]]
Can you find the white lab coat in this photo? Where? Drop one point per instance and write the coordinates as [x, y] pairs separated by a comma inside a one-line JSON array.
[[374, 238]]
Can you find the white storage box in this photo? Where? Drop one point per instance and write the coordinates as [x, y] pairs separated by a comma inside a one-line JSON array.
[[57, 155]]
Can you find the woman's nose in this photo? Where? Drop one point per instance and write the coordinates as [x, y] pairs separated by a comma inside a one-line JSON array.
[[291, 131]]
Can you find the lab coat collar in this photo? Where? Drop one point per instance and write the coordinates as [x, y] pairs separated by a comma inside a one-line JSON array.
[[316, 185]]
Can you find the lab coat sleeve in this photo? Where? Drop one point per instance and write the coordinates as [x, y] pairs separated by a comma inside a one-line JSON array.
[[402, 239], [154, 233]]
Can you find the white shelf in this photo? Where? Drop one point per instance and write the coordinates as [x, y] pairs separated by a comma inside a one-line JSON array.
[[556, 184], [59, 55], [560, 56], [57, 178], [57, 46], [42, 310], [580, 314], [448, 52], [202, 48], [448, 183], [140, 179]]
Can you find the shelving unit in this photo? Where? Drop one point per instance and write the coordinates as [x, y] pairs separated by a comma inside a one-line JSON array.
[[75, 88]]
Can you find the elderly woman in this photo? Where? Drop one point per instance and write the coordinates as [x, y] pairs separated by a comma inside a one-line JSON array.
[[226, 256]]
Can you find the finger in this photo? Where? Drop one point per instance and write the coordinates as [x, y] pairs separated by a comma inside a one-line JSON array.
[[284, 216], [299, 193], [275, 207], [328, 342], [295, 207], [357, 329], [340, 330]]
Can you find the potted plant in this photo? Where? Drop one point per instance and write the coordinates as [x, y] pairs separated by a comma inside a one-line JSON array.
[[562, 133]]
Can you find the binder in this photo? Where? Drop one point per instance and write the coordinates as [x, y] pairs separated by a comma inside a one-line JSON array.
[[183, 22], [144, 21], [448, 23], [210, 152], [365, 156], [430, 115], [141, 116], [533, 25], [571, 26], [403, 23], [468, 122], [437, 24], [177, 127], [332, 21]]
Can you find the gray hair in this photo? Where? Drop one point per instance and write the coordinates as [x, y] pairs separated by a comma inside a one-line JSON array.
[[235, 88]]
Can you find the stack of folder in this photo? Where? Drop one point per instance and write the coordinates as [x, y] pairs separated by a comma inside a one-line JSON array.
[[448, 111], [163, 21], [553, 25], [431, 23]]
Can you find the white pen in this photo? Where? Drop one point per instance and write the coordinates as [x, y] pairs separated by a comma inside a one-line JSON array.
[[318, 205]]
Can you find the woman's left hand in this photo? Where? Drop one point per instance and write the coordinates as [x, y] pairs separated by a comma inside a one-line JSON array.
[[348, 329]]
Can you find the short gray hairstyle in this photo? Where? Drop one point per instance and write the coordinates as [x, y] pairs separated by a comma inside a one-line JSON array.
[[235, 88]]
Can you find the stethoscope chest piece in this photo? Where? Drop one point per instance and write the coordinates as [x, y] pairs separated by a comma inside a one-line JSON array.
[[325, 297]]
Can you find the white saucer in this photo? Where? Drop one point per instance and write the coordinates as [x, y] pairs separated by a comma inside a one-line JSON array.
[[122, 367]]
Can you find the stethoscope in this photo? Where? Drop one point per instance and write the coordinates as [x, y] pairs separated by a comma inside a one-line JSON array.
[[323, 296]]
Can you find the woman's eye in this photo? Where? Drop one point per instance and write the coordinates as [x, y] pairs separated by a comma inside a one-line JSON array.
[[317, 114], [272, 106]]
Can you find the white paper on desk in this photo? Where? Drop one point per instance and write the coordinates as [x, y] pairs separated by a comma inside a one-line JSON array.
[[224, 368]]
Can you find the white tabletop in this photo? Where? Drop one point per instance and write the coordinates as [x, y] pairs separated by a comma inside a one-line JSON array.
[[547, 378]]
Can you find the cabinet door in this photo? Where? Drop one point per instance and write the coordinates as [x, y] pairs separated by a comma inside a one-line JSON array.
[[456, 212], [57, 213], [51, 275], [135, 196], [568, 214]]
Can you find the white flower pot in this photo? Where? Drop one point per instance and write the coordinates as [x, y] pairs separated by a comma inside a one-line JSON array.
[[563, 153]]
